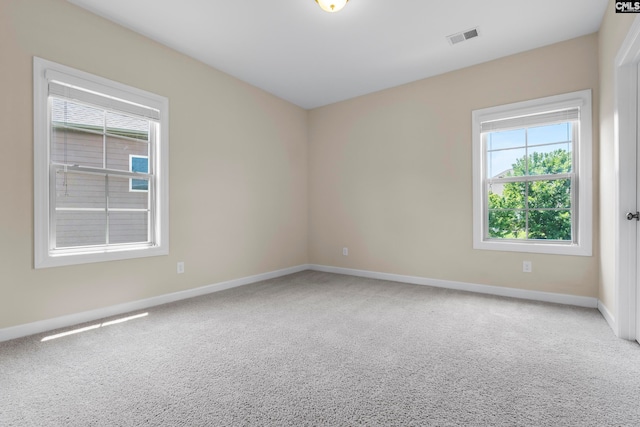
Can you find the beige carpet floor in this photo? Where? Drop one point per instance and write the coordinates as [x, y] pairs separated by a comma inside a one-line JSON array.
[[320, 349]]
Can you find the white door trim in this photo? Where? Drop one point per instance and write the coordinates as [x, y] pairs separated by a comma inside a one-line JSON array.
[[625, 134]]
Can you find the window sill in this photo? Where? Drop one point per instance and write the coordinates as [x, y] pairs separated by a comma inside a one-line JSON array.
[[534, 247], [112, 254]]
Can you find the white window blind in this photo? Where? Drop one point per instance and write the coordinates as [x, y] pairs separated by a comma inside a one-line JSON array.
[[72, 93], [561, 116]]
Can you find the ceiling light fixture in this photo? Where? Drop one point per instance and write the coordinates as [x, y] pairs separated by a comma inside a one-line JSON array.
[[332, 5]]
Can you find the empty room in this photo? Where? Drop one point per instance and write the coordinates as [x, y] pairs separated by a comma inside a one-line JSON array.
[[319, 213]]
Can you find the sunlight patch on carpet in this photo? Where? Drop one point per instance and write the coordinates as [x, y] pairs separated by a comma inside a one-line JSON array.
[[96, 326]]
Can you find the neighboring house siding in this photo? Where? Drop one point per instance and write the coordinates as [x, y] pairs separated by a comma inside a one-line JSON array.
[[85, 191]]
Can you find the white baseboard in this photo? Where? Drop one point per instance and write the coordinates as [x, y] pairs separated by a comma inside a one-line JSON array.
[[88, 316], [608, 317], [470, 287]]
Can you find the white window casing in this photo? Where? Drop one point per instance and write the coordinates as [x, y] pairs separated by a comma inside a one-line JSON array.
[[572, 107], [61, 85]]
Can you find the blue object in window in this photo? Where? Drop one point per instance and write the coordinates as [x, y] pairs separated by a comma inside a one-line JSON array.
[[139, 164]]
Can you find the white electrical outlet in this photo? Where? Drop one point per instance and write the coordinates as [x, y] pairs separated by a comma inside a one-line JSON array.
[[526, 266], [180, 268], [345, 251]]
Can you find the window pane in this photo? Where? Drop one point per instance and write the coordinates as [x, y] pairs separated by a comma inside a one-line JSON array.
[[128, 227], [550, 224], [550, 133], [76, 147], [120, 150], [506, 139], [73, 147], [130, 127], [510, 195], [80, 116], [550, 159], [507, 224], [80, 228], [120, 197], [505, 163], [80, 190], [72, 142], [553, 194]]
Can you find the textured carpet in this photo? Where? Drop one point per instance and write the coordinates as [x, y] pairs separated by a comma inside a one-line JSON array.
[[330, 350]]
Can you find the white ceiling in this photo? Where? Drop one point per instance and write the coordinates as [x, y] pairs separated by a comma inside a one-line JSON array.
[[295, 50]]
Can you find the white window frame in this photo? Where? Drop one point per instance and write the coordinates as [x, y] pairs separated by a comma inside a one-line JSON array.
[[583, 181], [131, 157], [44, 256]]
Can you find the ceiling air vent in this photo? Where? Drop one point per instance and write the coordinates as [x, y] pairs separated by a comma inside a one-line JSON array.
[[462, 36]]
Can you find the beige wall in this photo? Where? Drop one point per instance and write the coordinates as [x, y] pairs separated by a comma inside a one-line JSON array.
[[612, 33], [238, 167], [390, 174], [258, 184]]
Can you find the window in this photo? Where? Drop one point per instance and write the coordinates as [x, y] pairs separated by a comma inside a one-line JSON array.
[[100, 169], [532, 176]]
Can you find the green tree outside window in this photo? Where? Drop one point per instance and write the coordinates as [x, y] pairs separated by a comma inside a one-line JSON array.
[[536, 209]]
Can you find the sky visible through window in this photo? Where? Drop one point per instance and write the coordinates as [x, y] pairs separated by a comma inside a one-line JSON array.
[[504, 148]]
